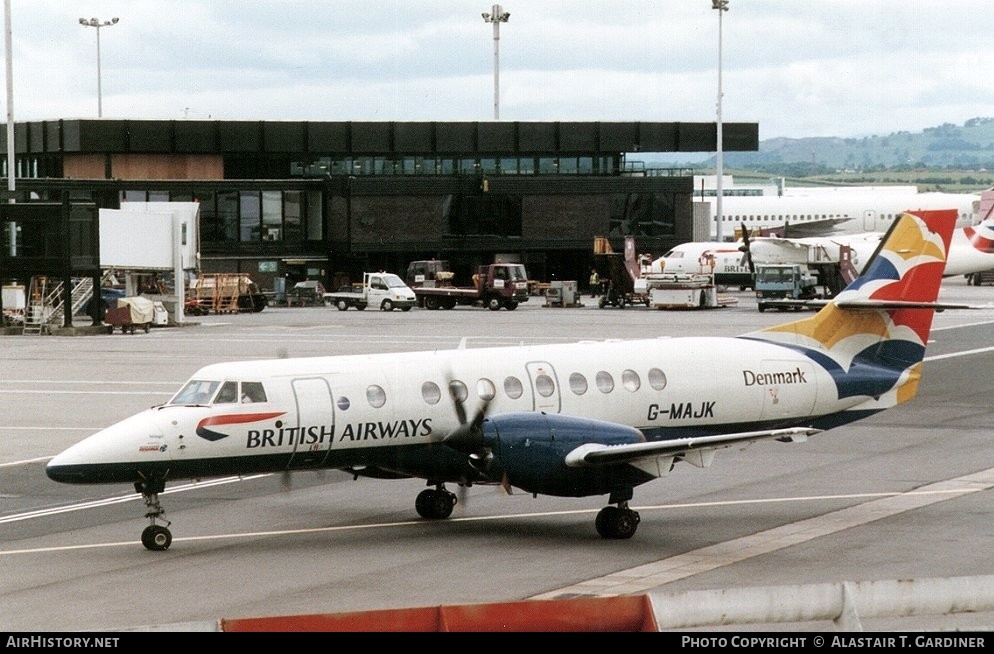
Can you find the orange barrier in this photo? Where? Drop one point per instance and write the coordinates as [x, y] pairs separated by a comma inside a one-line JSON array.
[[624, 613]]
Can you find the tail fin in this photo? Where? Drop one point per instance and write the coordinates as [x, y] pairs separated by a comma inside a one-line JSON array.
[[871, 337]]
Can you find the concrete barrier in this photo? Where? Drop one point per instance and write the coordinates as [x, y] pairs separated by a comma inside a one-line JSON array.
[[623, 613]]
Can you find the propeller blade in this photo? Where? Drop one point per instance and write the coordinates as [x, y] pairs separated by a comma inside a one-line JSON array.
[[468, 436], [457, 391]]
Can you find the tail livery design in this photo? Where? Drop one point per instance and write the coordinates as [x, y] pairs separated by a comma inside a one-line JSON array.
[[871, 338]]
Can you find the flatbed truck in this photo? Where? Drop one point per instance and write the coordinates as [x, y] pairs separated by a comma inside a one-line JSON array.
[[385, 291], [496, 286]]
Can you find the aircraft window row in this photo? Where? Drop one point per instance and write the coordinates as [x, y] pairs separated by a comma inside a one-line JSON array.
[[545, 386], [200, 391]]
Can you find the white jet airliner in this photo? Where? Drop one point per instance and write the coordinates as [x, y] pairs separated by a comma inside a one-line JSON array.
[[847, 211], [568, 420]]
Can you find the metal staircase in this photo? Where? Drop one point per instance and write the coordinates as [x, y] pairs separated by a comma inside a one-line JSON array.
[[45, 306], [43, 294]]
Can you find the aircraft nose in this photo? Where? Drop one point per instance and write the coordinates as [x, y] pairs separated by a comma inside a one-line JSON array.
[[66, 474], [108, 455]]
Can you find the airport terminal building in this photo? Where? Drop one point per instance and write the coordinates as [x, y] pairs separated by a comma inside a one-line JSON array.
[[328, 200]]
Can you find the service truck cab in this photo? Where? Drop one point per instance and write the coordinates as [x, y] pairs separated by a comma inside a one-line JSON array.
[[780, 285], [382, 290]]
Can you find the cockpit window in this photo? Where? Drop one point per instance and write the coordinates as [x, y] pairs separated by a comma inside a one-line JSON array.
[[196, 391], [228, 393], [253, 392]]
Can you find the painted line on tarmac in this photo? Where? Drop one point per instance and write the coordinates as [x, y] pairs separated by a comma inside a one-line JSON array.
[[118, 499], [40, 513], [646, 577]]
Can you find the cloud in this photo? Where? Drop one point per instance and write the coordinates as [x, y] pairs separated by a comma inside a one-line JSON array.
[[832, 68]]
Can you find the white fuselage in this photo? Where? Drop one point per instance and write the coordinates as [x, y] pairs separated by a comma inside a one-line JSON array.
[[970, 251], [844, 212], [320, 411]]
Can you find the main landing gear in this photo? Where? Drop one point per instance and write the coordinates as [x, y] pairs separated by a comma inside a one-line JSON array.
[[155, 537], [618, 522], [435, 503]]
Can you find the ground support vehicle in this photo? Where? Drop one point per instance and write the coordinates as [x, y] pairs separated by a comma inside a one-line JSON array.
[[306, 294], [784, 286], [131, 313], [385, 291], [224, 293], [680, 291], [622, 283], [563, 293], [496, 286]]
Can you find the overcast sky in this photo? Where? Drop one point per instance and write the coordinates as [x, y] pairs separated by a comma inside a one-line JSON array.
[[797, 68]]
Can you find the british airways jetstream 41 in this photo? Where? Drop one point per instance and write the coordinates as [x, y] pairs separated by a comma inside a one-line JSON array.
[[568, 420]]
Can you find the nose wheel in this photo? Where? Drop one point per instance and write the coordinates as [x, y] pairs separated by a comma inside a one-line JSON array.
[[155, 537]]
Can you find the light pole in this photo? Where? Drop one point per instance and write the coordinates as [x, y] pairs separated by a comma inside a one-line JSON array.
[[722, 7], [96, 22], [496, 16], [11, 156]]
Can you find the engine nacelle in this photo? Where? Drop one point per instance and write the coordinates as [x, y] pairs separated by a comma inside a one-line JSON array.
[[529, 450]]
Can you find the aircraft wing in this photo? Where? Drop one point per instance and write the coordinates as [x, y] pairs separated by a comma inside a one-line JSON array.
[[823, 227], [596, 454]]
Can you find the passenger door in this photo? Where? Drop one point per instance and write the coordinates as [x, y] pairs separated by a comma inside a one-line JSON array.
[[315, 428]]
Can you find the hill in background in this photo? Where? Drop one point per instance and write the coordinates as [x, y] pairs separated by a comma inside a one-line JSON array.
[[943, 157]]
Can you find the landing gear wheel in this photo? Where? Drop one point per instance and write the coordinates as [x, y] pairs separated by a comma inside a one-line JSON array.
[[433, 504], [617, 523], [156, 538]]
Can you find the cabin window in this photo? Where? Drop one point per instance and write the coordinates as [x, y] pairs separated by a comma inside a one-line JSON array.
[[430, 392], [604, 381], [376, 396], [196, 391], [458, 391], [630, 380], [513, 387], [485, 389], [578, 383], [343, 403], [228, 393], [544, 385], [657, 379], [253, 392]]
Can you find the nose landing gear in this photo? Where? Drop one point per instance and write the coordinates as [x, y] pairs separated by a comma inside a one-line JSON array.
[[155, 537]]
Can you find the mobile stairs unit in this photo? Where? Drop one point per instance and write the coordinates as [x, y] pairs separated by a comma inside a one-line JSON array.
[[44, 307]]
